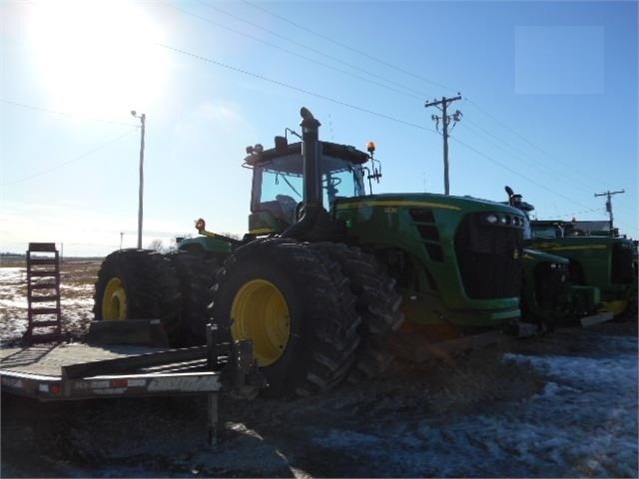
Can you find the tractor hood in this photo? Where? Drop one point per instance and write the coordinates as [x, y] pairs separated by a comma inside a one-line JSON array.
[[430, 200]]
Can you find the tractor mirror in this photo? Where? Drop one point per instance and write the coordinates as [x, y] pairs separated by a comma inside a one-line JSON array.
[[509, 190]]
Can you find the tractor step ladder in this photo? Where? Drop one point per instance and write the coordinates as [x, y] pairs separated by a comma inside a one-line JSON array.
[[43, 294]]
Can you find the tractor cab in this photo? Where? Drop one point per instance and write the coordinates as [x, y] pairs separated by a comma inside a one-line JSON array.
[[278, 189], [549, 229]]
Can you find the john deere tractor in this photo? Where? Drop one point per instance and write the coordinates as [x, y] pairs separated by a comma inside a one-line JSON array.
[[549, 294], [602, 262], [328, 271]]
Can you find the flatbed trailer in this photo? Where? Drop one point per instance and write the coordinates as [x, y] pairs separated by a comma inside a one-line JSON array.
[[66, 371]]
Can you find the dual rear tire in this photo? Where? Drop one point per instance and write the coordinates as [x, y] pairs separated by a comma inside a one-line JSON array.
[[316, 313], [285, 297], [145, 284], [138, 284]]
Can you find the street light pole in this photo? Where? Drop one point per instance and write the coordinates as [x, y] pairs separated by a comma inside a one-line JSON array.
[[142, 118]]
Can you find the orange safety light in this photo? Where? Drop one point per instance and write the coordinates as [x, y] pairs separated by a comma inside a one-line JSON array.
[[371, 147], [200, 225]]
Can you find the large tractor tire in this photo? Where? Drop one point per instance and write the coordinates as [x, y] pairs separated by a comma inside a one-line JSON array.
[[196, 275], [138, 284], [378, 304], [283, 296]]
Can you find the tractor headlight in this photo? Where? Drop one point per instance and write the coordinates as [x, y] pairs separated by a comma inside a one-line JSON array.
[[492, 218], [503, 219]]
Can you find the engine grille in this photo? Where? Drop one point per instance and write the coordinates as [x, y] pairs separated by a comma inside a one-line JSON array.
[[489, 258], [622, 270], [548, 284]]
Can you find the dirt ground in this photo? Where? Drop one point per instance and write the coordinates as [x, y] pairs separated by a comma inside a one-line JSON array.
[[561, 405]]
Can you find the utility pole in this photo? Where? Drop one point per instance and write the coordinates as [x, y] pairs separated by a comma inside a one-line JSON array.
[[142, 118], [121, 238], [445, 122], [609, 194]]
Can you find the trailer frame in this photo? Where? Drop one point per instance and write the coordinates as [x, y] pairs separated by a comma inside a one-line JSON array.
[[51, 372]]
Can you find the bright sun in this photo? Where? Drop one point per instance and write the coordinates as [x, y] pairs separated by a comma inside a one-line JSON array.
[[97, 58]]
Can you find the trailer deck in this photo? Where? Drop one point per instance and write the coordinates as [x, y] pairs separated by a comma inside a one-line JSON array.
[[59, 371], [67, 371]]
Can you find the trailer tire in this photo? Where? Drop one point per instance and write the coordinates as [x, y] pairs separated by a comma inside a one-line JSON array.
[[195, 275], [378, 303], [281, 294], [138, 284]]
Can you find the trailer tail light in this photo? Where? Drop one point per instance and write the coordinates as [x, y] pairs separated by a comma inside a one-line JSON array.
[[119, 383], [55, 389]]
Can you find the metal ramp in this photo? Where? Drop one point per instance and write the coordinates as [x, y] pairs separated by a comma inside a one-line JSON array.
[[43, 294]]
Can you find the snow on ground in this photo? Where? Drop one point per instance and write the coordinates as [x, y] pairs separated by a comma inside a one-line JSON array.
[[11, 275], [76, 299], [583, 424], [558, 406]]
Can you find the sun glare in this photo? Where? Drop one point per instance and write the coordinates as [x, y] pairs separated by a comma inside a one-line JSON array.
[[97, 58]]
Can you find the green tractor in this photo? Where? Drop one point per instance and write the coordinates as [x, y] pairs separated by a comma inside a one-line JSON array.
[[549, 297], [327, 272], [603, 262]]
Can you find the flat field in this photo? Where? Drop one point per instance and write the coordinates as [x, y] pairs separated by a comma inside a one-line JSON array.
[[76, 290]]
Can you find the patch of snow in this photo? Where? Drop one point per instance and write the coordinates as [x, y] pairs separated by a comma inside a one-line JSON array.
[[12, 275], [583, 423], [14, 303]]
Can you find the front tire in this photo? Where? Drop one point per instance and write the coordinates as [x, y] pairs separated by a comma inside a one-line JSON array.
[[280, 294]]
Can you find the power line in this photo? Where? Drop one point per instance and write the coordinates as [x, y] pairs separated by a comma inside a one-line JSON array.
[[473, 127], [324, 97], [589, 210], [293, 87], [309, 48], [77, 158], [582, 212], [61, 113], [295, 54], [357, 108], [526, 140], [404, 71], [515, 172], [347, 47]]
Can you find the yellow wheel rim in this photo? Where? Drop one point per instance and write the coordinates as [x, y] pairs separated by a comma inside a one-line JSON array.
[[260, 313], [616, 307], [114, 303]]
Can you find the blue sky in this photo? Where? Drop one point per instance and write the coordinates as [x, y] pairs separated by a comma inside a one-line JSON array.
[[549, 106]]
